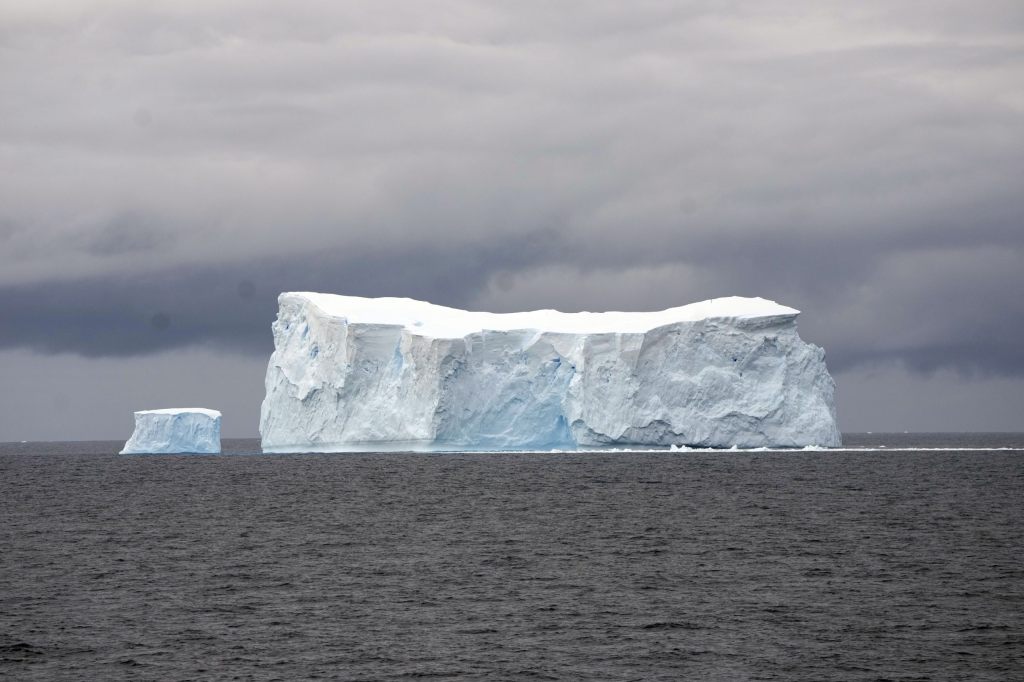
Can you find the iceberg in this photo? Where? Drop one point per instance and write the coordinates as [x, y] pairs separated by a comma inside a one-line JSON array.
[[175, 430], [370, 374]]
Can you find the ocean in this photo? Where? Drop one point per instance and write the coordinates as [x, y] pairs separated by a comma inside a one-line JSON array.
[[898, 558]]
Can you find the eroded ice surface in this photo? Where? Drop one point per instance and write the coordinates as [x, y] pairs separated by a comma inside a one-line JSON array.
[[351, 373], [175, 430]]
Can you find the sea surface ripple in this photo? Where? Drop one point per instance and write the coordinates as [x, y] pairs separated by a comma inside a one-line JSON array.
[[855, 565]]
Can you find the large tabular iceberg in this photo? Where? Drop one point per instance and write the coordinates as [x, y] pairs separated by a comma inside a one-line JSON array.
[[352, 373], [175, 430]]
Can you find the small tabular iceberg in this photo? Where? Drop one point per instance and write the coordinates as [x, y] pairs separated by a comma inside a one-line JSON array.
[[351, 373], [175, 430]]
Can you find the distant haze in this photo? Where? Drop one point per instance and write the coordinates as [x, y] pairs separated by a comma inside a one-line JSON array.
[[167, 168]]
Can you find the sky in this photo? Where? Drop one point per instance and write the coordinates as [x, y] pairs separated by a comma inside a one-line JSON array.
[[168, 167]]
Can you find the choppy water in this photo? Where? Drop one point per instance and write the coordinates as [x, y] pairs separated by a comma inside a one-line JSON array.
[[856, 565]]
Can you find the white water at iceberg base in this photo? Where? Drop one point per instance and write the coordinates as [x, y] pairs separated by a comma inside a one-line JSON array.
[[351, 373], [175, 430]]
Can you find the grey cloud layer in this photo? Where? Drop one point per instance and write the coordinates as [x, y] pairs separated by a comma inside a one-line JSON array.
[[861, 161]]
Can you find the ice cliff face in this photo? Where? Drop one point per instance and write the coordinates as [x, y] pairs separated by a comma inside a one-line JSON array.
[[352, 373], [174, 430]]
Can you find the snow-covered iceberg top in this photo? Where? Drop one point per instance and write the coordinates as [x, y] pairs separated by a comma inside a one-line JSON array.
[[427, 319], [351, 373], [175, 430], [212, 414]]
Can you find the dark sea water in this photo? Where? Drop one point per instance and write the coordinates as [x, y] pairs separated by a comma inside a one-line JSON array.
[[866, 564]]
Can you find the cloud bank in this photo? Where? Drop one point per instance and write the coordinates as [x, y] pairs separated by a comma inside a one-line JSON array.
[[167, 168]]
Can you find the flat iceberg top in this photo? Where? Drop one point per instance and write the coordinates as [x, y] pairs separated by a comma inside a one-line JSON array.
[[182, 410], [427, 319]]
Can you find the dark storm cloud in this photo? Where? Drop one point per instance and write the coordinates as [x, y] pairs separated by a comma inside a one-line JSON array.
[[937, 324], [232, 306], [166, 169]]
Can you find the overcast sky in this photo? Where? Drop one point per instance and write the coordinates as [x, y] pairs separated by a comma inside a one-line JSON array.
[[168, 167]]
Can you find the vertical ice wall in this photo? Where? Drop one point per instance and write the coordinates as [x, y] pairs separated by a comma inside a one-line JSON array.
[[350, 373], [175, 430]]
